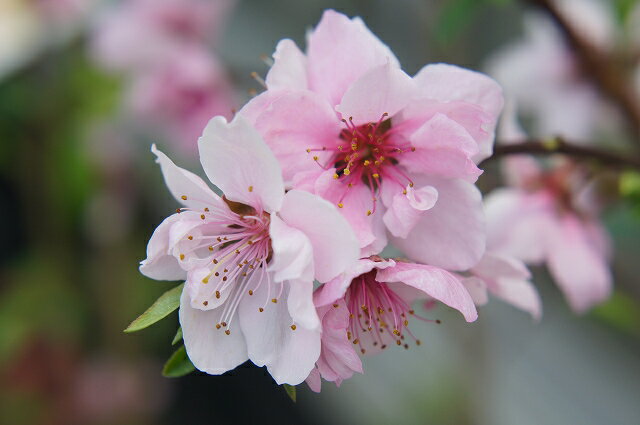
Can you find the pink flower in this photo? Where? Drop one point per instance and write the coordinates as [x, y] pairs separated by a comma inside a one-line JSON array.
[[393, 152], [550, 215], [377, 295], [178, 96], [541, 73], [138, 33], [506, 278], [249, 258]]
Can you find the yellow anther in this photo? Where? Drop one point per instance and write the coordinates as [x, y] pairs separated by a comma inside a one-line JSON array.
[[205, 280], [184, 197], [335, 175], [308, 150], [367, 162], [315, 157], [340, 205], [293, 327], [376, 175], [210, 248], [202, 216], [182, 256], [218, 326], [274, 300], [250, 188], [218, 294], [347, 171], [250, 292], [369, 213], [190, 237]]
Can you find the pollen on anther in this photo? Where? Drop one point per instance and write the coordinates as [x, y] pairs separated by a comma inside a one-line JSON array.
[[190, 237], [215, 261], [340, 205], [250, 188], [293, 327], [228, 332], [206, 209], [182, 256], [274, 300], [375, 175], [335, 176], [205, 280], [218, 326], [355, 341], [183, 197], [250, 292], [202, 216], [369, 212], [217, 294]]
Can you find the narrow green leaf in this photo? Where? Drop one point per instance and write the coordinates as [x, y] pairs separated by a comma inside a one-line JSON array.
[[165, 305], [291, 391], [178, 364], [178, 337]]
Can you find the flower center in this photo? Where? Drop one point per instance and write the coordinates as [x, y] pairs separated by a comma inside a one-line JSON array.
[[230, 249], [368, 155], [378, 316]]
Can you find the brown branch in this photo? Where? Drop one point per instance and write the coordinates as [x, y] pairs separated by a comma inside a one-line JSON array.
[[607, 75], [559, 146]]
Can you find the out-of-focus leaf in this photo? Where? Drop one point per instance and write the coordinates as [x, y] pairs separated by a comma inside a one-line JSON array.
[[165, 305], [178, 364], [455, 15], [630, 189], [620, 311], [624, 7], [178, 337], [291, 391]]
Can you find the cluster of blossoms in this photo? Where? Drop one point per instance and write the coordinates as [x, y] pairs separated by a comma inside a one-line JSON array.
[[174, 83], [342, 154]]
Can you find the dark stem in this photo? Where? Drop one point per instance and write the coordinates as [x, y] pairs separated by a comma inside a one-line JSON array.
[[560, 146], [609, 77]]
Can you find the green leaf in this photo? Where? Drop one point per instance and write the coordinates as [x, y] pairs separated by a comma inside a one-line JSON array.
[[291, 391], [178, 337], [630, 183], [165, 305], [178, 364], [454, 17]]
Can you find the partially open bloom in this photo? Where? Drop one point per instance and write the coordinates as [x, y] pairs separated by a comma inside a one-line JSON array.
[[550, 214], [377, 294], [392, 152], [249, 258]]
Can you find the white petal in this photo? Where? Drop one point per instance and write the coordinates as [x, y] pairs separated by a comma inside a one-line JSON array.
[[237, 160]]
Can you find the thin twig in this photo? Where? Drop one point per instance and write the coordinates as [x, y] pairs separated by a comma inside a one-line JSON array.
[[607, 75], [560, 146]]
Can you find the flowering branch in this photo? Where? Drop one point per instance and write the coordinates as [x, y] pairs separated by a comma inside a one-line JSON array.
[[558, 145], [605, 73]]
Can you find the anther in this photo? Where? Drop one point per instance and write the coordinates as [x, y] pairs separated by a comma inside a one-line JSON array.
[[218, 326], [215, 261], [224, 278], [336, 306], [362, 350], [182, 256], [250, 188], [274, 300], [228, 332], [190, 237], [217, 294], [261, 309], [340, 205], [205, 280], [369, 213], [184, 197], [250, 292], [224, 324], [355, 341], [205, 303], [418, 342], [202, 216], [293, 327]]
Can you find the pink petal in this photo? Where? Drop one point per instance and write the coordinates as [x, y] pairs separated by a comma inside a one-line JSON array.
[[210, 349], [335, 246], [160, 264], [340, 50], [356, 203], [508, 279], [447, 83], [580, 271], [406, 210], [434, 282], [440, 131], [290, 355], [289, 70], [295, 122], [452, 233], [477, 288], [184, 184], [384, 89], [237, 160], [336, 288], [313, 381]]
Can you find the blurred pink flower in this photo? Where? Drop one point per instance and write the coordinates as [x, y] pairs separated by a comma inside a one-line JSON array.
[[139, 33], [393, 152], [506, 278], [541, 74], [551, 215], [176, 98], [244, 254], [377, 294]]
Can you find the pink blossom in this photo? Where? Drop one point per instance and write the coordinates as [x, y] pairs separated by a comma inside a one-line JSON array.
[[393, 152], [249, 258], [178, 96], [138, 33], [551, 215], [373, 302], [541, 73]]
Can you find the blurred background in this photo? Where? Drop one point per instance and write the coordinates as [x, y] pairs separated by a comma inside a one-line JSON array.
[[82, 99]]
